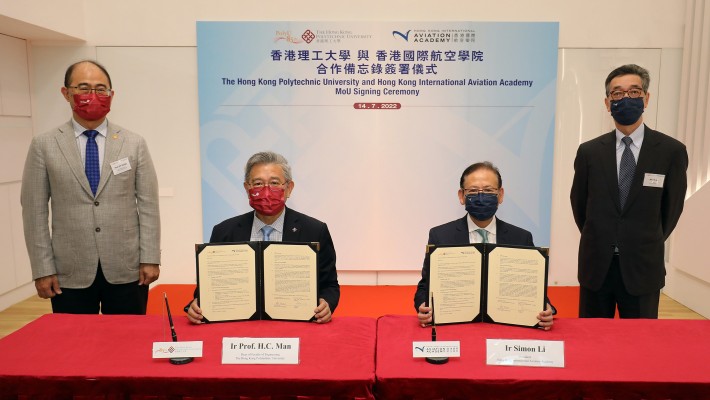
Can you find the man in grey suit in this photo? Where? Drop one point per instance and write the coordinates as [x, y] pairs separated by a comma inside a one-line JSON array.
[[480, 191], [98, 181]]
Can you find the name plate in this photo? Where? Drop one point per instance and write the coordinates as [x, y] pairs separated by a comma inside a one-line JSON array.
[[245, 350], [177, 349], [436, 349], [525, 353]]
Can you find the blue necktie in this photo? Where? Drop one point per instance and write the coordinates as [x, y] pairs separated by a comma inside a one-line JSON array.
[[91, 164], [627, 166], [266, 230], [484, 235]]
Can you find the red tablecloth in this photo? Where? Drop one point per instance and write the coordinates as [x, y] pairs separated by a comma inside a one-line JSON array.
[[64, 356], [604, 359]]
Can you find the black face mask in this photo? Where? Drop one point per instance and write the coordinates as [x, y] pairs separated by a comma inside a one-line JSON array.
[[627, 110], [482, 206]]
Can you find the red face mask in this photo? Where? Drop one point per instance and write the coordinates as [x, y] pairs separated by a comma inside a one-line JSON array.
[[266, 200], [92, 107]]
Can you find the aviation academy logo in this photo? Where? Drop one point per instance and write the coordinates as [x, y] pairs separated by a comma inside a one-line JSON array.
[[436, 35], [402, 35]]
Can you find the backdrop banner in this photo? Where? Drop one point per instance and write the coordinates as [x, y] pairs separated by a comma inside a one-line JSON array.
[[378, 120]]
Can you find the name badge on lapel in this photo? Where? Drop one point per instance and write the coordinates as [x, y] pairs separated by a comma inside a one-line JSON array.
[[120, 166], [653, 180]]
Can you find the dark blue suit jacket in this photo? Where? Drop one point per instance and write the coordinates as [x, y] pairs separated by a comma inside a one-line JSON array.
[[456, 232], [648, 218], [297, 228]]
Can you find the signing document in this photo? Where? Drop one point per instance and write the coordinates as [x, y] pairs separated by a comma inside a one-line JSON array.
[[257, 280], [488, 283]]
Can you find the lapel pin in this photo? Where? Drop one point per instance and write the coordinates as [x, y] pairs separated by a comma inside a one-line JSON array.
[[294, 229], [115, 136]]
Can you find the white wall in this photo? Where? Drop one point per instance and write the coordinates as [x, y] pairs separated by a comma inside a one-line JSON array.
[[149, 49], [15, 135]]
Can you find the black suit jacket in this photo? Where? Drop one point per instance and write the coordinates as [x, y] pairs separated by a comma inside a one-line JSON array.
[[648, 217], [297, 228], [456, 232]]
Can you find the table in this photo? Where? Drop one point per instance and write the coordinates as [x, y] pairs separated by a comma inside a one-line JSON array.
[[604, 359], [109, 356]]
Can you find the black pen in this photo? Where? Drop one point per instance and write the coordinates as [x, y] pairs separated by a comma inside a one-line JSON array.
[[433, 322], [170, 318]]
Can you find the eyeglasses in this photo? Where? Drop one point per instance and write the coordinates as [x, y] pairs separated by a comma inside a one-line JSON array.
[[86, 89], [271, 185], [488, 190], [619, 94]]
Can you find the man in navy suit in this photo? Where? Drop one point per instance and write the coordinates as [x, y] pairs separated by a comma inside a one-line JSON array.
[[480, 191], [627, 196], [268, 183]]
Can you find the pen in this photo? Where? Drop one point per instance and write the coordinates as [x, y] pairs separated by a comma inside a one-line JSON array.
[[435, 360], [170, 318], [433, 322]]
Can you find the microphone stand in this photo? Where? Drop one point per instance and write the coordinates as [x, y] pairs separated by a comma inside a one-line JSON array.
[[435, 360], [174, 360]]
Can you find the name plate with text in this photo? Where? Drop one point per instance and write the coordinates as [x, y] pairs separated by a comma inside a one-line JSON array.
[[177, 349], [525, 353], [436, 349], [246, 350]]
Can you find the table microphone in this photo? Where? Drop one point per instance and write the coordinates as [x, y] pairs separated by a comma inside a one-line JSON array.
[[435, 360], [174, 360]]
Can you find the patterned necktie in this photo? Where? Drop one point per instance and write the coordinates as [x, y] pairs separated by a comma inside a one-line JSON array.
[[91, 164], [627, 166], [484, 235], [266, 230]]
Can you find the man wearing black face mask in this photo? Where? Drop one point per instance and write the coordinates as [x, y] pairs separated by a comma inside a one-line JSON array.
[[481, 191], [627, 196]]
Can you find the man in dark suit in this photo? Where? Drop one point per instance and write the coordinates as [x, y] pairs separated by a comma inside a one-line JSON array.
[[627, 195], [268, 182], [481, 191]]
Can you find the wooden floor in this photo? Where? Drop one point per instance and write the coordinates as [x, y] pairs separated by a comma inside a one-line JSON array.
[[24, 312]]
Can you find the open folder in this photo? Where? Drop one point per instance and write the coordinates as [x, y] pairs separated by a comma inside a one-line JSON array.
[[257, 280], [488, 283]]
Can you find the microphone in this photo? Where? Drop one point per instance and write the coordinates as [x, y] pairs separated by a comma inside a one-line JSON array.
[[435, 360], [174, 360]]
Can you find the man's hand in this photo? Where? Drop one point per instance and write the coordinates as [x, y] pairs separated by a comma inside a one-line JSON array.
[[149, 273], [47, 286], [194, 313], [322, 312], [424, 315], [545, 318]]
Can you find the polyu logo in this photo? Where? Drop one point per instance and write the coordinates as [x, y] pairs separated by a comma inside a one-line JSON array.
[[402, 35]]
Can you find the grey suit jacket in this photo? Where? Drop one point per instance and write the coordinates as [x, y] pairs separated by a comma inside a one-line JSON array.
[[120, 226]]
